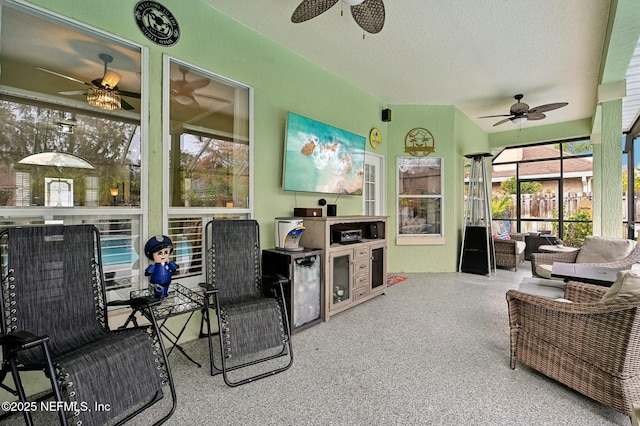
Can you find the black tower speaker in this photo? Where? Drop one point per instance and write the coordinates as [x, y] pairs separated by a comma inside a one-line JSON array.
[[475, 256], [386, 115]]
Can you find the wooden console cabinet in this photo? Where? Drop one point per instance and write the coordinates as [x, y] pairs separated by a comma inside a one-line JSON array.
[[355, 271]]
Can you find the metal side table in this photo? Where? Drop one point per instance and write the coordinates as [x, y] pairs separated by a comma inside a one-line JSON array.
[[180, 300]]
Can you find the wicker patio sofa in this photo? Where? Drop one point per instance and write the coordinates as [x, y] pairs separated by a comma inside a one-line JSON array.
[[590, 346], [509, 253], [616, 253]]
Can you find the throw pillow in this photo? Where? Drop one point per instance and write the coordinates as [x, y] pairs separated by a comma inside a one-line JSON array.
[[626, 288], [601, 249], [504, 235]]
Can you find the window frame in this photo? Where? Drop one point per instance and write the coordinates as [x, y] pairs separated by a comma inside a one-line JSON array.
[[422, 238], [178, 211]]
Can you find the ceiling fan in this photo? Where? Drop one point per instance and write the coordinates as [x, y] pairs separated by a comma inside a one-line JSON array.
[[184, 92], [368, 14], [520, 112], [103, 92]]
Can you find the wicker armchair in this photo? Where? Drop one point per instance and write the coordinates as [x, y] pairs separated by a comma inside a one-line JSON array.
[[538, 260], [509, 254], [590, 346]]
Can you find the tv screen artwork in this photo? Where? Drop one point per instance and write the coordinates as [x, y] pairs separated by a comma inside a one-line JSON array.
[[322, 158]]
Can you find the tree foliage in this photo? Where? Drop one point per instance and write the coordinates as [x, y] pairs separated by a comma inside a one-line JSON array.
[[509, 186]]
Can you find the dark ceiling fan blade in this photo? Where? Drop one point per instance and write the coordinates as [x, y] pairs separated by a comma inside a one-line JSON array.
[[506, 120], [65, 76], [536, 116], [548, 107], [127, 94], [73, 92], [126, 105], [310, 9], [493, 116], [369, 15]]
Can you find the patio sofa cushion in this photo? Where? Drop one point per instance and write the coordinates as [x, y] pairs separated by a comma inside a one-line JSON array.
[[626, 288], [601, 249]]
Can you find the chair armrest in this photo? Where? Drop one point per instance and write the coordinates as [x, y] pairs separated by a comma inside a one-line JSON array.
[[584, 293], [517, 237], [21, 340], [549, 258], [504, 246], [208, 288], [271, 283]]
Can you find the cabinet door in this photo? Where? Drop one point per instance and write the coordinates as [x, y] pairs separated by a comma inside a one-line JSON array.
[[378, 267], [341, 269]]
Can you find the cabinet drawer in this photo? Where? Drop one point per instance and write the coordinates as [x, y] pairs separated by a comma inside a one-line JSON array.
[[361, 253], [361, 281], [361, 267], [361, 292]]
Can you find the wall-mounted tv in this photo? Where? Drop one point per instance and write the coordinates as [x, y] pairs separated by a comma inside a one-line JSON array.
[[322, 158]]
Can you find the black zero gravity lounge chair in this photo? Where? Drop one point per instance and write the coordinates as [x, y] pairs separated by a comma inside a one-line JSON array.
[[54, 318], [253, 327]]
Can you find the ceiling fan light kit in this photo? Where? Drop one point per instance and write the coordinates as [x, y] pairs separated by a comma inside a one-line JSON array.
[[103, 98], [103, 92]]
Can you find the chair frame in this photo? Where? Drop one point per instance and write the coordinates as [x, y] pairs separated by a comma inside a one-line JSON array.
[[211, 293], [13, 341]]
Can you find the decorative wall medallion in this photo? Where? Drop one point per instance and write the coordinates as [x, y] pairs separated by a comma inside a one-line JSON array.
[[375, 137], [419, 142], [157, 23]]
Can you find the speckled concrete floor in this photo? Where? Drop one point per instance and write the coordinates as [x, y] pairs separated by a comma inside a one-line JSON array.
[[433, 351]]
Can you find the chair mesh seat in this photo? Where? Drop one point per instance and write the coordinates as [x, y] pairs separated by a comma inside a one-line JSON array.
[[126, 353], [252, 326]]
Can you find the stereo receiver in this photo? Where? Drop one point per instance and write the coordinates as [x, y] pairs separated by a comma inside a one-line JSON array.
[[347, 236]]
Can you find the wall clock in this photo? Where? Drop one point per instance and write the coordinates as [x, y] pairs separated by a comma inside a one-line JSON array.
[[375, 137]]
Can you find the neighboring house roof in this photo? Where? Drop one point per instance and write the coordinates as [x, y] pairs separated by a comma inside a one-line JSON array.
[[580, 166]]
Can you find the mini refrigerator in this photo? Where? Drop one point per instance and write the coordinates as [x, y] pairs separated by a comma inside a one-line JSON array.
[[304, 296]]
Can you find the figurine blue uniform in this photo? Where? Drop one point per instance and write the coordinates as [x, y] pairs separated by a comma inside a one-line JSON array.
[[158, 249]]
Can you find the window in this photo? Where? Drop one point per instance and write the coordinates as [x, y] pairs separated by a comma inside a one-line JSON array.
[[420, 193], [62, 159], [209, 139], [544, 187]]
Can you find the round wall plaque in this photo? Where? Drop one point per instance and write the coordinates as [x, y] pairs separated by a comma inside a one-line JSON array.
[[157, 23]]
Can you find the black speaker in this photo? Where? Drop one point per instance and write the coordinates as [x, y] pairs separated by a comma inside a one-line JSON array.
[[386, 115], [373, 230], [332, 209]]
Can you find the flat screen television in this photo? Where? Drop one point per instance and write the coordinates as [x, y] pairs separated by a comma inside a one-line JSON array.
[[322, 158]]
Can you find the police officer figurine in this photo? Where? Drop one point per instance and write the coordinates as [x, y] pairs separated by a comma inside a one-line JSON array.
[[158, 249]]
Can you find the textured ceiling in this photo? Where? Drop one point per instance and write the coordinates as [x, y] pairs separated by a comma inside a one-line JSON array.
[[475, 55]]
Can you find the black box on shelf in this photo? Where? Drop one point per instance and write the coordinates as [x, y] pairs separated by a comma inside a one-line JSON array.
[[307, 212]]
